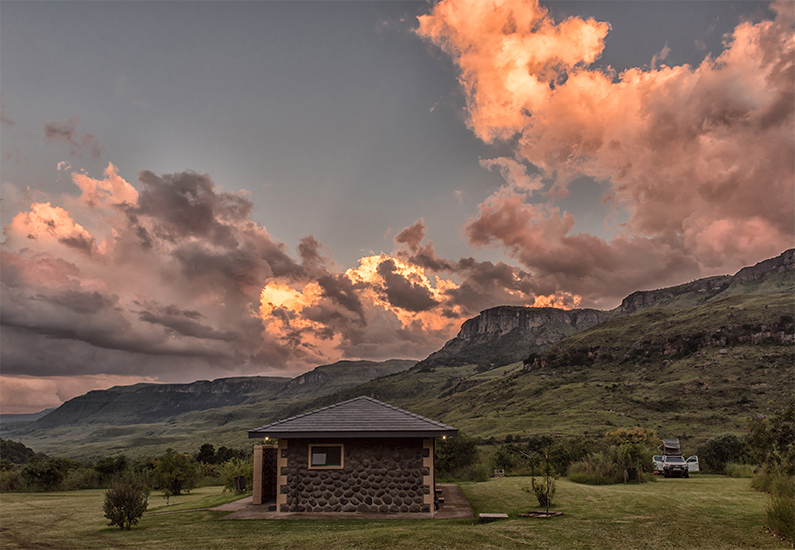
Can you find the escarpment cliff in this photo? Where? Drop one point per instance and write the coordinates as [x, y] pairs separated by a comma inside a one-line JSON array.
[[506, 334], [772, 276]]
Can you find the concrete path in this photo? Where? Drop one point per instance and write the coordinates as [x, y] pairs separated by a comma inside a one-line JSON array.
[[455, 507]]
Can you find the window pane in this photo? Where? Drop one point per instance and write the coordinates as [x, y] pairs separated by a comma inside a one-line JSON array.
[[334, 456], [319, 456]]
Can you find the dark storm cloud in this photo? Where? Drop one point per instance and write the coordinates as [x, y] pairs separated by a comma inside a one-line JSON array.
[[308, 249], [402, 293], [339, 289]]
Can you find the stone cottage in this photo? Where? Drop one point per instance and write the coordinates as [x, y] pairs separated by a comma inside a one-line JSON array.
[[360, 455]]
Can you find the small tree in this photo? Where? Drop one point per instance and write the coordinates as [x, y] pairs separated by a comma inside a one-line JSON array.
[[126, 500], [237, 467], [176, 472]]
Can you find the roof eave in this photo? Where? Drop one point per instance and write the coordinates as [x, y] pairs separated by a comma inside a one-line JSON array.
[[254, 434]]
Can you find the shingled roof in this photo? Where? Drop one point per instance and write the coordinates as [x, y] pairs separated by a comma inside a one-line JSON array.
[[358, 417]]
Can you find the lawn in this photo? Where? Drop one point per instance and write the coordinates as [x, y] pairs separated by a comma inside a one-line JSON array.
[[700, 512]]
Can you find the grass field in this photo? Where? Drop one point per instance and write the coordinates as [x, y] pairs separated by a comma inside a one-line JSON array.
[[702, 512]]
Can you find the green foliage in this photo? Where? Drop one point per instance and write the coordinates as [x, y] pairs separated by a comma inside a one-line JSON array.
[[543, 489], [454, 453], [772, 439], [718, 451], [206, 454], [780, 513], [176, 472], [504, 459], [623, 436], [597, 469], [112, 466], [15, 452], [11, 480], [46, 474], [82, 478], [237, 467], [126, 501], [733, 469]]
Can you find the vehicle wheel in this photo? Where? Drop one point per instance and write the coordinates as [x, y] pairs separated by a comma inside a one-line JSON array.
[[687, 475], [665, 474]]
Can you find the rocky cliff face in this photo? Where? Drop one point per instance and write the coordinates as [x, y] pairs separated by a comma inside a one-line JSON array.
[[218, 387], [507, 334], [502, 320], [770, 276]]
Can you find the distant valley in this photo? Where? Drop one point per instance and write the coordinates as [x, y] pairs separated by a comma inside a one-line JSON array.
[[690, 361]]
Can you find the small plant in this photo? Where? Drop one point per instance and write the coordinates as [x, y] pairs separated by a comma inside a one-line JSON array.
[[543, 489], [126, 501]]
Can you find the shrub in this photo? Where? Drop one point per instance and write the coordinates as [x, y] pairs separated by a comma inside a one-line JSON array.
[[126, 501], [780, 512], [539, 489], [11, 480], [82, 478], [455, 453], [176, 472], [594, 472], [715, 453], [734, 469], [111, 467], [45, 474], [237, 467]]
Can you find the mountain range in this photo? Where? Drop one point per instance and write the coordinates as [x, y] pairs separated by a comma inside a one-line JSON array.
[[691, 361]]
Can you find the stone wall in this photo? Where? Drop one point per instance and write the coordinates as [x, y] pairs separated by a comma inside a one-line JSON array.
[[378, 475]]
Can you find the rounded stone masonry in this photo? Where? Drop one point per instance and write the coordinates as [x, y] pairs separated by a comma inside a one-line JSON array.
[[384, 475]]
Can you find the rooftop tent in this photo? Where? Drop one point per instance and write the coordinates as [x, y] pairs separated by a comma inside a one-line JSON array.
[[671, 447]]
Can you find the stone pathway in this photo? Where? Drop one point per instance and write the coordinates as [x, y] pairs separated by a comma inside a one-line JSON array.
[[455, 507]]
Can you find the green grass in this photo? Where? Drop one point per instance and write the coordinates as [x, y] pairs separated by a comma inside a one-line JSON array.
[[203, 497], [707, 512]]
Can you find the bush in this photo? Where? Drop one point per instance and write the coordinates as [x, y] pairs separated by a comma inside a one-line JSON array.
[[593, 471], [780, 512], [45, 474], [82, 478], [734, 469], [455, 453], [539, 489], [11, 480], [111, 467], [126, 501], [176, 472], [722, 449], [237, 467]]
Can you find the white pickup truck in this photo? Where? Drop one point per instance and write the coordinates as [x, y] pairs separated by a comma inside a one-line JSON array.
[[659, 463]]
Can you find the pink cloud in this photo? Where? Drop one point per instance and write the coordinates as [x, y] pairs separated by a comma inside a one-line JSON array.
[[701, 158]]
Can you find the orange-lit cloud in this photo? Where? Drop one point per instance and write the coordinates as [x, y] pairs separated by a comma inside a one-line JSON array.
[[701, 158]]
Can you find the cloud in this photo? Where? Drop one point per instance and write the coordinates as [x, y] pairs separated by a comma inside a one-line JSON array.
[[65, 133], [698, 158], [30, 394]]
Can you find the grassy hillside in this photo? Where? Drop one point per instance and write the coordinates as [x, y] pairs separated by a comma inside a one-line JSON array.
[[688, 373], [146, 419]]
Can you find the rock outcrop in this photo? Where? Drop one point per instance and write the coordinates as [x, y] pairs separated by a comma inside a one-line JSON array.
[[772, 276], [507, 334]]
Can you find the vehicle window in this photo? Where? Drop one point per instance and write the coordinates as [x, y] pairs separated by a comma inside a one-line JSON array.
[[675, 460]]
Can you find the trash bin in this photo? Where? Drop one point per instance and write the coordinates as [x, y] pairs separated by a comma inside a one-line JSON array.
[[240, 483], [632, 474]]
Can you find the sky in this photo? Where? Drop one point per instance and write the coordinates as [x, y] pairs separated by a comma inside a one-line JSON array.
[[196, 190]]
